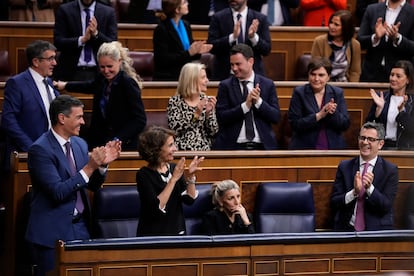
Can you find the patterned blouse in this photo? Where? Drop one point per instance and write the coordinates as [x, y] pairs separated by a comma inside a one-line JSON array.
[[191, 133]]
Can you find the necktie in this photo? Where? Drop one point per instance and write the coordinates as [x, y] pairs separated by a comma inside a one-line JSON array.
[[359, 216], [49, 93], [79, 203], [87, 48], [271, 11], [240, 37], [248, 117]]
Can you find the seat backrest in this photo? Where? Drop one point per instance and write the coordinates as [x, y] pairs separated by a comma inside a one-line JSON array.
[[409, 208], [194, 213], [302, 67], [208, 60], [116, 212], [284, 208], [143, 63], [5, 71], [158, 118]]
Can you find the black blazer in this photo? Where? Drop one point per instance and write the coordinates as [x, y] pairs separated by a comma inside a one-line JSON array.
[[67, 30], [372, 69], [169, 53], [230, 114], [221, 26], [405, 120], [125, 117]]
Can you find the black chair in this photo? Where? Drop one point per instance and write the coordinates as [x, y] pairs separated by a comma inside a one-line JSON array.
[[194, 213], [116, 212], [284, 208]]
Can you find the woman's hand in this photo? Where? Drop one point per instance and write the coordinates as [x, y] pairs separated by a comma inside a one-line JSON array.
[[243, 214], [211, 104], [193, 168]]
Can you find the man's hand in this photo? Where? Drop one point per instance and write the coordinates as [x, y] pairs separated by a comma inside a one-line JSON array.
[[253, 28]]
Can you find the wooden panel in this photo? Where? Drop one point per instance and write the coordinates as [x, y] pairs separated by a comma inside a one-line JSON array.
[[288, 43], [132, 270], [306, 266]]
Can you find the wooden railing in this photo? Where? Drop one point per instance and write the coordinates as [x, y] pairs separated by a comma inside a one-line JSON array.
[[275, 254], [288, 43], [248, 169], [155, 96]]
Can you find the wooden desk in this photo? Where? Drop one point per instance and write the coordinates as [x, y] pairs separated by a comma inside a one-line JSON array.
[[275, 254], [248, 169]]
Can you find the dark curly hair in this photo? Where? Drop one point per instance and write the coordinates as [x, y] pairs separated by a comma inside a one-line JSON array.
[[150, 143]]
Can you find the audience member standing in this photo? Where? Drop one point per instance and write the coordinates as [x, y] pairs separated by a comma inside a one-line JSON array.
[[318, 113], [317, 12], [27, 97], [173, 41], [395, 108], [138, 12], [34, 10], [229, 216], [118, 112], [162, 185], [61, 170], [278, 11], [365, 187], [361, 7], [386, 33], [191, 113], [340, 46], [233, 25], [247, 106], [81, 27]]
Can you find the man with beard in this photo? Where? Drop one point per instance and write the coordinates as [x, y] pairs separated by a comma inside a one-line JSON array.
[[233, 25], [365, 186], [387, 34], [81, 27]]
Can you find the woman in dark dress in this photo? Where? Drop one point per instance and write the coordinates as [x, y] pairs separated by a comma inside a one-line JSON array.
[[229, 216], [162, 185]]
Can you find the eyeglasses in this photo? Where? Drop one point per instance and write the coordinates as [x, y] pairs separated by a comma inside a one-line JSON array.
[[49, 59], [370, 139]]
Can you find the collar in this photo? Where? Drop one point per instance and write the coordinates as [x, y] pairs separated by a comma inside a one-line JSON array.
[[250, 79], [91, 7], [36, 76], [59, 138], [372, 162], [243, 13], [401, 4]]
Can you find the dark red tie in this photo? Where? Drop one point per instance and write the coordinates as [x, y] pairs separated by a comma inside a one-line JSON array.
[[79, 203], [359, 216]]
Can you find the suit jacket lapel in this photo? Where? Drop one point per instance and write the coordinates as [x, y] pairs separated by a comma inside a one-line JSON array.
[[236, 88], [33, 89]]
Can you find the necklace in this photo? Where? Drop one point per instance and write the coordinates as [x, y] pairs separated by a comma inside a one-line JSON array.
[[165, 177]]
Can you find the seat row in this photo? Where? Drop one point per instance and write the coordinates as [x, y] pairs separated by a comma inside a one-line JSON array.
[[280, 208]]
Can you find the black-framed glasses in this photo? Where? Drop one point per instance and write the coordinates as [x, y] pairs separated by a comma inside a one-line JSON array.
[[370, 139], [49, 59]]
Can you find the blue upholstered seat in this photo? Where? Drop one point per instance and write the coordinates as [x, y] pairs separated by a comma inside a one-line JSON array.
[[116, 211], [194, 213], [284, 208]]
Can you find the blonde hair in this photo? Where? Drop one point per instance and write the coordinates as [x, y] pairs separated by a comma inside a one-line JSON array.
[[115, 51], [188, 79], [218, 189]]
